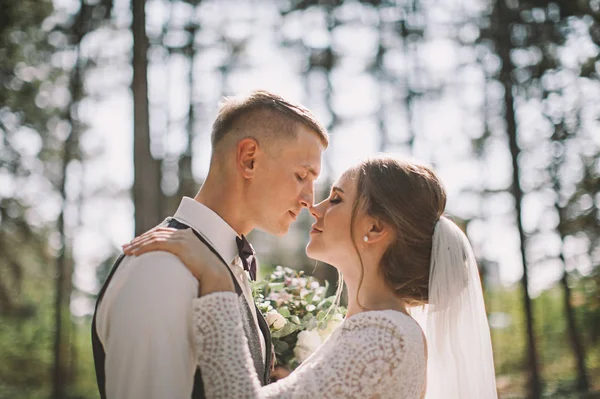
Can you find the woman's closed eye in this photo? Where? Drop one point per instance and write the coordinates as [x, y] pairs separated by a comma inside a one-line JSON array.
[[336, 199]]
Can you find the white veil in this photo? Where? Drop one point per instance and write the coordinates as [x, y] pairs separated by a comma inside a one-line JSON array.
[[460, 360]]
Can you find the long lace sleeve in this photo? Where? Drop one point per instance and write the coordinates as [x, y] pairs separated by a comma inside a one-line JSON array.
[[371, 355]]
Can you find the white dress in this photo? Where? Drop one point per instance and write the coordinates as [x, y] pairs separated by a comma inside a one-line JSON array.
[[375, 354]]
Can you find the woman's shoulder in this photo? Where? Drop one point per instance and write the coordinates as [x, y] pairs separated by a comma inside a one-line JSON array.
[[386, 325], [387, 348]]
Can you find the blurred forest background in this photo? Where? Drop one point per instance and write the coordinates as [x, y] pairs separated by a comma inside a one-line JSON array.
[[105, 114]]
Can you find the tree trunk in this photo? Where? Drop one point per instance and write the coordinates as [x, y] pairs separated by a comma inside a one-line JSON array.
[[63, 261], [58, 372], [187, 183], [64, 264], [504, 46], [575, 341], [147, 194]]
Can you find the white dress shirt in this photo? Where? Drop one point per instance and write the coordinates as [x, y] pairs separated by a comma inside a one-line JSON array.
[[144, 321]]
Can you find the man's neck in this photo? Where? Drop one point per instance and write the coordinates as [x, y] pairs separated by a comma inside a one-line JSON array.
[[222, 199]]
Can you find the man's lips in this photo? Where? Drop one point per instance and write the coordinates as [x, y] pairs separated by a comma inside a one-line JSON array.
[[294, 215]]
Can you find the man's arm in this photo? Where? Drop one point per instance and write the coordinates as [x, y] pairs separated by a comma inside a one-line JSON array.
[[147, 329]]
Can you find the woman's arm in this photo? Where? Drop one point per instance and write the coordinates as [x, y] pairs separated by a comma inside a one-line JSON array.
[[372, 356]]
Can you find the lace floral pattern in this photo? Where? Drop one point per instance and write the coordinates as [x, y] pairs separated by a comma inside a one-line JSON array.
[[378, 354]]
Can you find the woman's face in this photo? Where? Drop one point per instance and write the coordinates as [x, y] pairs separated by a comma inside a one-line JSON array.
[[330, 239]]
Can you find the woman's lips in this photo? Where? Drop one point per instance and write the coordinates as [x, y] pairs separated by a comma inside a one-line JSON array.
[[315, 230]]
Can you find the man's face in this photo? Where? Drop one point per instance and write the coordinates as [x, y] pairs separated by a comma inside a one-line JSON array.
[[284, 181]]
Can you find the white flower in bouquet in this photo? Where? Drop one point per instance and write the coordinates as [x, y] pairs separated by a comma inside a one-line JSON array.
[[331, 325], [275, 320], [308, 342]]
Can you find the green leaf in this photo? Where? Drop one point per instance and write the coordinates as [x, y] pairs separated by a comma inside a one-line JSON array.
[[276, 286], [284, 311], [321, 315], [308, 298], [285, 331], [280, 346], [311, 324], [308, 317]]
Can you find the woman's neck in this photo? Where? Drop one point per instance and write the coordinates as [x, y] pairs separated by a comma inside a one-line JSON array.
[[373, 295]]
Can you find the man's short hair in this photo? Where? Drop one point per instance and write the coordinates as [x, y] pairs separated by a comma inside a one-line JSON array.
[[277, 118]]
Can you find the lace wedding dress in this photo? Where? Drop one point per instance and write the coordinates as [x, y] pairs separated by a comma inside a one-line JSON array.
[[376, 354]]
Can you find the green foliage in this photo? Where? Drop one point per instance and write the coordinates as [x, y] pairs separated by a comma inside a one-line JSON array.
[[26, 345], [587, 302], [556, 359], [24, 53]]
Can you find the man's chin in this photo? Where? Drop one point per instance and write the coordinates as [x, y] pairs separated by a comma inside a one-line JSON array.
[[283, 231], [278, 231]]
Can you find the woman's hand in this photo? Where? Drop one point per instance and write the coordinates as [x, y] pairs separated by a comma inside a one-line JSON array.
[[204, 265]]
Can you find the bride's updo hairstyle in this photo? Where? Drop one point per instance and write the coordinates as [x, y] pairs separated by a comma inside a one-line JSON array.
[[410, 199]]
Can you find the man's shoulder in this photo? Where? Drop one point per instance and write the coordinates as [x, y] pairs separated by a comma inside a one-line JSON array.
[[154, 276], [161, 264]]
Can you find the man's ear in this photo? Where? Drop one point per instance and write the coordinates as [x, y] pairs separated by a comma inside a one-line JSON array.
[[247, 149]]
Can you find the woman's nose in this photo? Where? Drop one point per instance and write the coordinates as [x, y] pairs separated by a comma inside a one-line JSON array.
[[316, 210]]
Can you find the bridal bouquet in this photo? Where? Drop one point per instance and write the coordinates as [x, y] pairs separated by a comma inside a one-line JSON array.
[[298, 313]]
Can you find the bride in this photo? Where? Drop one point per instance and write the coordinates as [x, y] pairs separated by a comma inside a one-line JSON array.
[[383, 228]]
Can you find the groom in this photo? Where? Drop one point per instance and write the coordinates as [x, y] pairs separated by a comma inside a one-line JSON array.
[[266, 154]]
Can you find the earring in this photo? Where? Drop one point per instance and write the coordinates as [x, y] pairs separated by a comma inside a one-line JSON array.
[[365, 238]]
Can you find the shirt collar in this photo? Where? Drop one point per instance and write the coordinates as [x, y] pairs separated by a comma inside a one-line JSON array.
[[210, 225]]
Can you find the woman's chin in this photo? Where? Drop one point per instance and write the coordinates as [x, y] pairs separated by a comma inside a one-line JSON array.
[[316, 252], [313, 252]]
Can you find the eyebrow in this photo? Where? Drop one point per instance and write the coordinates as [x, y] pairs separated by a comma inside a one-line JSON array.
[[336, 188], [311, 170]]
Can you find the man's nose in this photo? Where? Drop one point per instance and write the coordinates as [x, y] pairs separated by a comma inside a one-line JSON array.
[[307, 196]]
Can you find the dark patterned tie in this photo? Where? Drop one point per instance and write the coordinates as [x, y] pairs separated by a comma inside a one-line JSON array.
[[247, 256]]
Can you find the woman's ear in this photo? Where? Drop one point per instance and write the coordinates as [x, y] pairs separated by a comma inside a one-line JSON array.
[[377, 231], [247, 150]]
